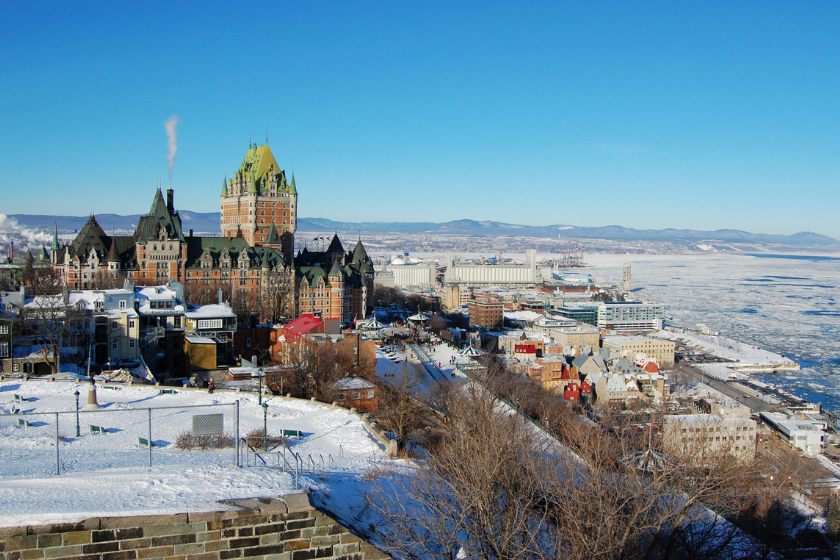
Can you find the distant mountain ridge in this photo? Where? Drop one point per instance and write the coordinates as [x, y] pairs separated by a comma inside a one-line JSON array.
[[207, 223]]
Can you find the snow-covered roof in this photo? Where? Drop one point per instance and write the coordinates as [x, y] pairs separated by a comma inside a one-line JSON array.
[[523, 315], [624, 339], [244, 371], [352, 384], [199, 340], [213, 310]]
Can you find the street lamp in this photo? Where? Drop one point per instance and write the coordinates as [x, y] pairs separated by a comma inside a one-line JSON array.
[[259, 375], [77, 412], [265, 426]]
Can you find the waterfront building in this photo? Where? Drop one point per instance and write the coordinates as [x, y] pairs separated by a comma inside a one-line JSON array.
[[634, 346], [800, 432], [578, 313], [630, 316], [407, 274], [492, 274]]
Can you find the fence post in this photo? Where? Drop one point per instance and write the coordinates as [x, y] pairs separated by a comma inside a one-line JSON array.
[[236, 422], [150, 436], [57, 457]]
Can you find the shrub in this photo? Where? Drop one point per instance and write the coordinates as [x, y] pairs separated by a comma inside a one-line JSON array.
[[255, 439], [187, 441]]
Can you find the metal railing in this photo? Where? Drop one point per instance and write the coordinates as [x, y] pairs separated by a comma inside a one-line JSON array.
[[92, 439]]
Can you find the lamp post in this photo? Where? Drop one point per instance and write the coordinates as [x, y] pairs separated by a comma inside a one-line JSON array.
[[265, 426], [77, 412], [259, 375]]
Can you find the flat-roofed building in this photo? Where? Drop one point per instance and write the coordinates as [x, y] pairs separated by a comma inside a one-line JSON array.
[[800, 432], [573, 336], [487, 313], [662, 351], [699, 436], [630, 316]]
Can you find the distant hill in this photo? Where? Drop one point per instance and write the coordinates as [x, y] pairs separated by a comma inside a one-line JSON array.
[[619, 233], [207, 223]]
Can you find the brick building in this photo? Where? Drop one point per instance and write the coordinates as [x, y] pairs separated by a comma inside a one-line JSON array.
[[487, 313], [253, 263]]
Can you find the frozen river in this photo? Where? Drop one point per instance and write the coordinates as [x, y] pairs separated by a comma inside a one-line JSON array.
[[783, 303]]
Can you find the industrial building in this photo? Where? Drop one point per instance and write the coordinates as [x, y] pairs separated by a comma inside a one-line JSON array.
[[492, 274]]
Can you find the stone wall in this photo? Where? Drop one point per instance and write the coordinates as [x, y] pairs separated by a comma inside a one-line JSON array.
[[284, 528]]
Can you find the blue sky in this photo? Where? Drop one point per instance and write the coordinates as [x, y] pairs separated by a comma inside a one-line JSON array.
[[647, 115]]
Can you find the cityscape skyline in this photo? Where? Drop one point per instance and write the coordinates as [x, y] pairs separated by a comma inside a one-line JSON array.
[[703, 117]]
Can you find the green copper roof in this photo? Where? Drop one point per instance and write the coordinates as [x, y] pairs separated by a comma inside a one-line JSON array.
[[224, 187], [258, 169], [259, 162], [272, 237], [157, 219], [292, 188], [54, 246], [359, 253]]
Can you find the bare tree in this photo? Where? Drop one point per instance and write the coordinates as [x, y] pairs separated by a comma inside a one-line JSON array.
[[477, 491], [499, 487], [401, 410], [277, 301]]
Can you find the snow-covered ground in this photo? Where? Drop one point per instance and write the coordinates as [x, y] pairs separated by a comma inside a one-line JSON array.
[[743, 355], [108, 474]]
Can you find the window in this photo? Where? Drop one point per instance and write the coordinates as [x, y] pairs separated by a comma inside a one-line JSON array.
[[355, 396], [114, 325], [341, 397], [114, 345], [370, 394], [131, 324], [122, 304], [131, 343], [4, 329], [177, 322], [4, 349]]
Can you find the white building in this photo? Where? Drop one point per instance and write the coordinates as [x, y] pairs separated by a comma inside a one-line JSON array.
[[492, 274], [630, 316], [801, 432], [698, 436], [399, 274]]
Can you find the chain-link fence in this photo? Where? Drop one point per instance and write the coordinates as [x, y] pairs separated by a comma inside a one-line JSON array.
[[41, 443]]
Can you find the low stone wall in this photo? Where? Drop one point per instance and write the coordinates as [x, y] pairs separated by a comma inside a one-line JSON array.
[[283, 528]]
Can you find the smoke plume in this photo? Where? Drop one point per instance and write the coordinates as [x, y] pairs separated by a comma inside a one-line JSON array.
[[11, 230], [171, 127]]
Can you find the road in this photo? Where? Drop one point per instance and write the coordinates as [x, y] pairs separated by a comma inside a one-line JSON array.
[[756, 405]]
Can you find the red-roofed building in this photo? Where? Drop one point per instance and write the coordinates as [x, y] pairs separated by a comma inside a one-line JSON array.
[[572, 392], [650, 367], [585, 391], [306, 323]]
